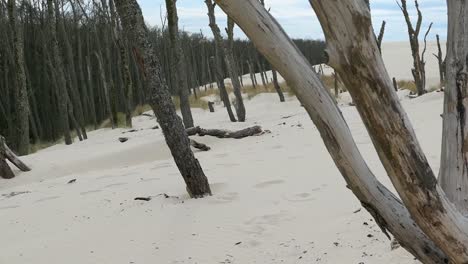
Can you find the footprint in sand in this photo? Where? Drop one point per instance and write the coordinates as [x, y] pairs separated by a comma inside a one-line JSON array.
[[295, 157], [260, 224], [277, 147], [225, 197], [89, 192], [8, 207], [267, 184], [47, 199], [299, 197], [223, 155], [228, 164], [115, 184], [161, 166], [149, 179]]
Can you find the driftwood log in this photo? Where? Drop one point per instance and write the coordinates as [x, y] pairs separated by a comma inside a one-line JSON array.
[[221, 133], [6, 153]]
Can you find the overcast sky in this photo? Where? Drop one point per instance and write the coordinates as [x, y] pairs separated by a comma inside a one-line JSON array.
[[298, 19]]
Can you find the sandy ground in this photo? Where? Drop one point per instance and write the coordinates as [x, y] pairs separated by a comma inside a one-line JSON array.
[[278, 198]]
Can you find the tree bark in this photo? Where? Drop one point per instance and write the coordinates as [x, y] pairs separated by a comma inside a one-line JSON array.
[[178, 65], [366, 78], [22, 100], [58, 71], [271, 40], [161, 101], [453, 176]]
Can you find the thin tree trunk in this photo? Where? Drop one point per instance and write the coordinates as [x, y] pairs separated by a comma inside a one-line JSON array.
[[233, 71], [441, 62], [277, 86], [58, 71], [22, 100], [220, 55], [178, 66], [161, 101]]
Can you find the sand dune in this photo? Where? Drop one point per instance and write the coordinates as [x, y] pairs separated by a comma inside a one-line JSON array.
[[278, 198]]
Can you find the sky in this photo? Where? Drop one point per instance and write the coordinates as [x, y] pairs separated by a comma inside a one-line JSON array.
[[299, 20]]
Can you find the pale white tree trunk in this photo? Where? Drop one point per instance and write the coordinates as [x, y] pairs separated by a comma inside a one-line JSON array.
[[275, 45], [453, 175], [354, 54]]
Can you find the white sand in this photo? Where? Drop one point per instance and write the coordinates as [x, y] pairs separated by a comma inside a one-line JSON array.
[[279, 194]]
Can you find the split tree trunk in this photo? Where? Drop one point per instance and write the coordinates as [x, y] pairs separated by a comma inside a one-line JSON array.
[[179, 71], [271, 40], [174, 132]]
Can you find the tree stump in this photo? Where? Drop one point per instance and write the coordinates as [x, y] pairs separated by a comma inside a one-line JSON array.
[[210, 105]]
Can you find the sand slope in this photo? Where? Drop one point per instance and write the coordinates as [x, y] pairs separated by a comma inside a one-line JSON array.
[[278, 198]]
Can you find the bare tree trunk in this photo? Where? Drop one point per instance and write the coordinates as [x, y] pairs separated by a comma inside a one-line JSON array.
[[22, 101], [418, 71], [220, 56], [252, 74], [366, 79], [58, 70], [161, 101], [233, 71], [277, 86], [441, 62], [271, 40], [106, 89], [178, 67], [381, 35], [453, 176]]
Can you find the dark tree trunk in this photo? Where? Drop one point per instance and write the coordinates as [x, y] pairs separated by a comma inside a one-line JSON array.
[[161, 101], [179, 63]]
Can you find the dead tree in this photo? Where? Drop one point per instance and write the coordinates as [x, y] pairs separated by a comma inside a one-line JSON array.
[[220, 133], [419, 70], [453, 176], [219, 57], [173, 129], [427, 224], [233, 71], [441, 62], [381, 35], [275, 74], [179, 72], [21, 92], [7, 154]]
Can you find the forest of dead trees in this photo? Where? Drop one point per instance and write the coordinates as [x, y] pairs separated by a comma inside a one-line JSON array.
[[65, 68]]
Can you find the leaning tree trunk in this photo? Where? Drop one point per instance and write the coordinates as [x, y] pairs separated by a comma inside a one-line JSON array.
[[354, 54], [178, 63], [453, 176], [161, 101], [441, 62], [22, 102], [271, 40], [220, 55]]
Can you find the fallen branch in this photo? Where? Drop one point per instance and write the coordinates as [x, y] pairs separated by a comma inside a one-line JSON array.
[[220, 133], [199, 145], [6, 153]]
